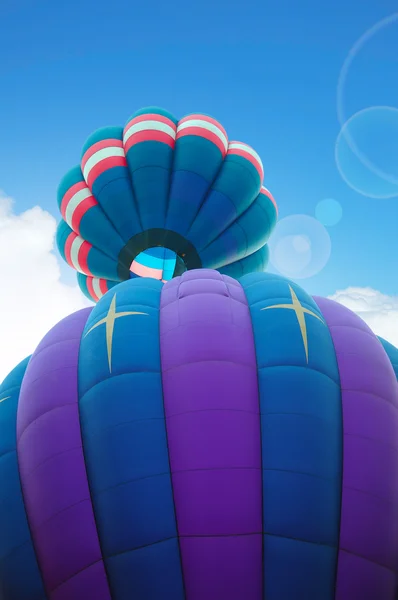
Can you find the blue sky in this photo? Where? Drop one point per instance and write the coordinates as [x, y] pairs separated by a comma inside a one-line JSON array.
[[268, 71]]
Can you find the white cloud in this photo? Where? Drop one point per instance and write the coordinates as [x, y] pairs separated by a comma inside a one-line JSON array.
[[32, 297], [378, 310]]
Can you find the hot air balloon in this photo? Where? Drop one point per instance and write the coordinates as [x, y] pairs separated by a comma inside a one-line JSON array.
[[161, 196], [201, 439]]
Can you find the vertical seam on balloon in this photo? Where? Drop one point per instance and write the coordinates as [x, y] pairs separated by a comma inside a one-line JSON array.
[[23, 495], [24, 503], [341, 475], [245, 236], [180, 282], [134, 202], [223, 279], [264, 597], [28, 518], [86, 470], [206, 198], [208, 190], [236, 222], [342, 457], [167, 441]]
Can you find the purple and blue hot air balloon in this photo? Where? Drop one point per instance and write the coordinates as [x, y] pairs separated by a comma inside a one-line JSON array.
[[202, 439], [160, 197]]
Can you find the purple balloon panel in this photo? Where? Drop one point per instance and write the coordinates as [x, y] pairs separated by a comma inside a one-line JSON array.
[[369, 524], [52, 468], [212, 414]]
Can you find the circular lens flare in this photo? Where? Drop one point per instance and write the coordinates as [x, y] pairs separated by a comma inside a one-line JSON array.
[[383, 172], [376, 129], [300, 246], [329, 212]]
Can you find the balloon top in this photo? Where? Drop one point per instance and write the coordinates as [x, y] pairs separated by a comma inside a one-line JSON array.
[[161, 196]]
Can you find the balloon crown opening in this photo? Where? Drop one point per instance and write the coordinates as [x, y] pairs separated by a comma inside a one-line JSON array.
[[161, 196], [158, 253]]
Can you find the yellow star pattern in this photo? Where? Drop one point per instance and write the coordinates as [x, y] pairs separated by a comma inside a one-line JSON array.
[[300, 311], [109, 322]]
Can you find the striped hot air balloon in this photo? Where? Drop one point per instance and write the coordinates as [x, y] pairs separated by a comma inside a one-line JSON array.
[[161, 196], [202, 439]]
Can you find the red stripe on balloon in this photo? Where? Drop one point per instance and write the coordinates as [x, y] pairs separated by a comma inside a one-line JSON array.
[[68, 245], [77, 187], [247, 156], [149, 135], [82, 257], [108, 143], [150, 117], [81, 210], [204, 118], [103, 286], [90, 289], [204, 133], [104, 165], [268, 194]]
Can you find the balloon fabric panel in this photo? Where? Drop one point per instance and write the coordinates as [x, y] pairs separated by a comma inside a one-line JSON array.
[[52, 468], [105, 171], [149, 140], [125, 441], [196, 164], [213, 427], [369, 521], [301, 439], [17, 555]]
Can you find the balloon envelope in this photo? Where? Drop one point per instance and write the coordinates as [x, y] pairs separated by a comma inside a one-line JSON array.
[[161, 196], [201, 439]]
